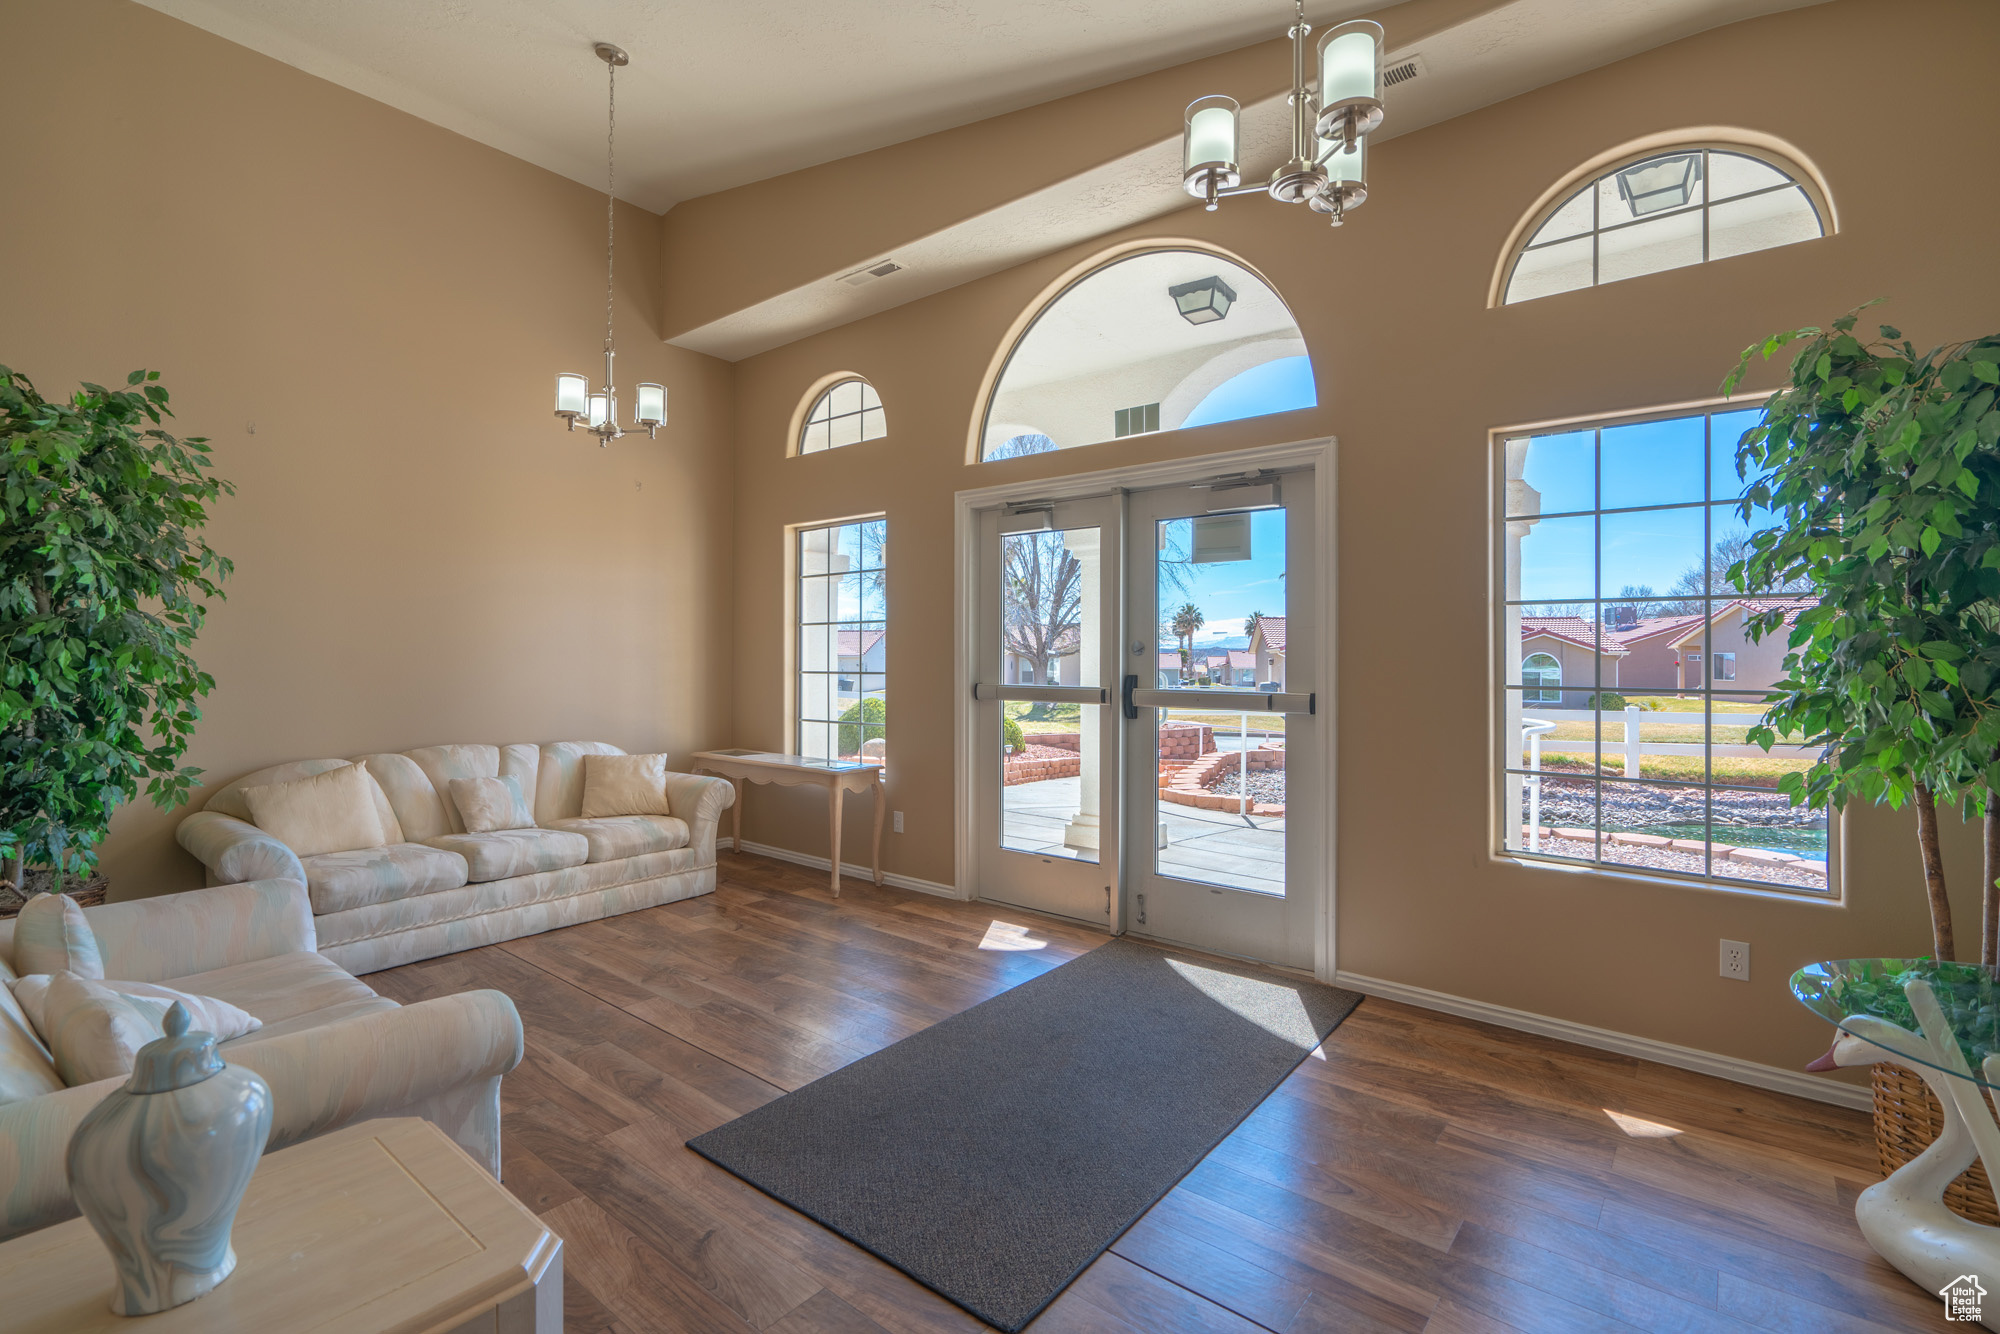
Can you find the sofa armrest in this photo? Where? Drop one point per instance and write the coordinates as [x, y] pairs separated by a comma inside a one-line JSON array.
[[175, 935], [699, 799], [235, 850], [379, 1064]]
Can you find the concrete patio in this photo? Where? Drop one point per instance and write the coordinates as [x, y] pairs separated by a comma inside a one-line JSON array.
[[1212, 847]]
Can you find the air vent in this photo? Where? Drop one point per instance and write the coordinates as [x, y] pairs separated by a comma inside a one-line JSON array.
[[1136, 421], [1403, 70], [861, 277]]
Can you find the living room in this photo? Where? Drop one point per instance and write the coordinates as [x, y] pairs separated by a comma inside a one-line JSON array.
[[1282, 850]]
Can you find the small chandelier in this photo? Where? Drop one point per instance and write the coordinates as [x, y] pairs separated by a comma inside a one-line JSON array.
[[1328, 166], [574, 401]]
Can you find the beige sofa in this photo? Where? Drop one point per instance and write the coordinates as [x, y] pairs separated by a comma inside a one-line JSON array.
[[435, 889], [332, 1050]]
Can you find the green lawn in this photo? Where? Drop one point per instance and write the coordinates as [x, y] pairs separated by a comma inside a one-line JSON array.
[[1692, 704], [1749, 771]]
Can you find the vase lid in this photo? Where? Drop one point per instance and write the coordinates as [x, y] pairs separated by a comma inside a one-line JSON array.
[[175, 1061]]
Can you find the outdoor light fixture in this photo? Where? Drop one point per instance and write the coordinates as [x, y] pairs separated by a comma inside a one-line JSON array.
[[1659, 183], [1203, 301], [574, 400], [1329, 120]]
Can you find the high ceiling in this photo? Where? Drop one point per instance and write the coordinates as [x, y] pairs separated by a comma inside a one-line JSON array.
[[722, 92]]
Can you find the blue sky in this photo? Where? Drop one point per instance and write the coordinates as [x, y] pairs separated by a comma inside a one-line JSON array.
[[1275, 386], [1228, 591], [1650, 463]]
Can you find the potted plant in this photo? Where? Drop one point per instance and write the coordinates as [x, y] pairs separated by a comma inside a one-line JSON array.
[[103, 576], [1881, 466]]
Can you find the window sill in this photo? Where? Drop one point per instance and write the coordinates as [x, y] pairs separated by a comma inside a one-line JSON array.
[[1829, 897]]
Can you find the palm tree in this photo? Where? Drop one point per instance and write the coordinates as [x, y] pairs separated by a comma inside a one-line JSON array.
[[1186, 621], [1250, 623]]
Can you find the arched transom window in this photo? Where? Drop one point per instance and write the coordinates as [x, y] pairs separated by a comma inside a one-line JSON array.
[[1541, 679], [1162, 340], [1664, 211], [847, 413]]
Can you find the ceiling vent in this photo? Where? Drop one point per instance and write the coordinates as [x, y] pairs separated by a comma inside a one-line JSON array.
[[862, 277], [1402, 70]]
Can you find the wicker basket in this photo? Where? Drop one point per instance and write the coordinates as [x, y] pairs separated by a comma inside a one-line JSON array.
[[88, 894], [1907, 1120]]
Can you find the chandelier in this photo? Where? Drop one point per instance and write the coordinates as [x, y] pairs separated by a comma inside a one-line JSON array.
[[1328, 167], [574, 401]]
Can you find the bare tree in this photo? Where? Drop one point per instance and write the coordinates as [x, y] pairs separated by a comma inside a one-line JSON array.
[[1042, 585]]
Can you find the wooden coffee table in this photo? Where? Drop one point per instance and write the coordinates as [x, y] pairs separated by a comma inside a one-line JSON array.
[[386, 1227], [838, 777]]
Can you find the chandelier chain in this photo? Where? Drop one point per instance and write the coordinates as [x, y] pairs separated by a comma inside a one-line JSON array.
[[610, 201]]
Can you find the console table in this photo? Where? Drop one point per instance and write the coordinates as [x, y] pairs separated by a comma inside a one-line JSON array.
[[385, 1227], [838, 777]]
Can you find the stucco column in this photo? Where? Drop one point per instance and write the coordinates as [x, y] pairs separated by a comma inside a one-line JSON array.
[[1083, 833], [1522, 500]]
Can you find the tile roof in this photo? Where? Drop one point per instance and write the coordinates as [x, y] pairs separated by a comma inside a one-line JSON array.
[[856, 643], [1274, 632], [1571, 630]]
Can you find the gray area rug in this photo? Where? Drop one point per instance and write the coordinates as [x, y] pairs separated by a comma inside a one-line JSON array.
[[994, 1155]]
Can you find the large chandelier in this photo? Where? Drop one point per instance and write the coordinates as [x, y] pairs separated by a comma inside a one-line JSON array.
[[1328, 166], [574, 401]]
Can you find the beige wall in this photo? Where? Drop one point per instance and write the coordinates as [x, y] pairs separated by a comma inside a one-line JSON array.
[[1414, 370], [366, 312]]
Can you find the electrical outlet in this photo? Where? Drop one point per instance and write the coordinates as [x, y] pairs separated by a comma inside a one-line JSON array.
[[1736, 960], [898, 816]]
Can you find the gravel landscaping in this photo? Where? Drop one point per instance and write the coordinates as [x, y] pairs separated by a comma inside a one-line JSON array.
[[1635, 806], [1265, 785], [1672, 859]]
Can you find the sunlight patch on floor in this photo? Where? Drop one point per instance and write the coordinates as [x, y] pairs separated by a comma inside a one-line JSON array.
[[1007, 936], [1639, 1128], [1278, 1010]]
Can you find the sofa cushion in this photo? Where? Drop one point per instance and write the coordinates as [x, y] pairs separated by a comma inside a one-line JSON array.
[[228, 800], [617, 836], [26, 1068], [506, 853], [336, 881], [280, 987], [329, 812], [51, 935], [206, 1014], [559, 779]]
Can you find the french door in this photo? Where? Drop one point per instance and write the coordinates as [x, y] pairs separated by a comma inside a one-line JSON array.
[[1145, 719]]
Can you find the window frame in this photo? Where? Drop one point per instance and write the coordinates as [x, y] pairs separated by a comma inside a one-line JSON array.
[[1542, 681], [822, 392], [1834, 894], [1589, 175], [795, 612]]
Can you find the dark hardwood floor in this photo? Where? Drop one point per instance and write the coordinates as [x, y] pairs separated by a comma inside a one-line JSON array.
[[1429, 1173]]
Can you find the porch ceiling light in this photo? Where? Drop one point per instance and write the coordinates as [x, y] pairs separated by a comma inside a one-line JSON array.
[[1660, 183], [1203, 301], [1329, 118]]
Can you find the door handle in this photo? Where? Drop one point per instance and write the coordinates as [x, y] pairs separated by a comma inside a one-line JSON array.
[[1131, 709]]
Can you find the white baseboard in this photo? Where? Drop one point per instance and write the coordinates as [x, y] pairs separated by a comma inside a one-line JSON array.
[[847, 869], [1753, 1073]]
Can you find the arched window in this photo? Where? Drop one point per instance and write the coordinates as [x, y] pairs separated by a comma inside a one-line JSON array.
[[1664, 210], [1541, 679], [1154, 341], [847, 412]]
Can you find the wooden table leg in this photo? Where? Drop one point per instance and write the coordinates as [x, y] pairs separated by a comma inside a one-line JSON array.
[[736, 838], [836, 798], [881, 809]]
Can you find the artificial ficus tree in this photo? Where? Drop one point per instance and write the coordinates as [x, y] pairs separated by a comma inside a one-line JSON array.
[[1881, 467], [103, 573]]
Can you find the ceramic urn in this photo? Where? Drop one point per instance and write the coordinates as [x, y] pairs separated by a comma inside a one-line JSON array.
[[160, 1165]]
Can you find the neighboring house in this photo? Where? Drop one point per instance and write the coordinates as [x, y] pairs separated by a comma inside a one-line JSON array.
[[1169, 669], [1267, 651], [1064, 669], [862, 653], [1560, 655]]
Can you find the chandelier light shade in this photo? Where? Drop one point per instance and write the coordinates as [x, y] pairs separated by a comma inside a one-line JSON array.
[[1209, 148], [1203, 301], [1350, 80], [1331, 120], [575, 402]]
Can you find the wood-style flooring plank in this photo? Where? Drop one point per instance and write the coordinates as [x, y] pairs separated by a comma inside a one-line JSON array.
[[1420, 1172]]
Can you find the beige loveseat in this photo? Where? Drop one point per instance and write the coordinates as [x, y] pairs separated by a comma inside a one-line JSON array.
[[332, 1050], [436, 889]]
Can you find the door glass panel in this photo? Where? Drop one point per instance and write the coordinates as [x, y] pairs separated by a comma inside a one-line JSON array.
[[1221, 771], [1050, 754], [1045, 774]]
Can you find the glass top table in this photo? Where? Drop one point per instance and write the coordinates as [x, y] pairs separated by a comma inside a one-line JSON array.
[[1945, 1016]]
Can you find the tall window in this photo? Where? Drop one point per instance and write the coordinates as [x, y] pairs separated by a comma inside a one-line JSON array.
[[1622, 535], [845, 414], [843, 687], [1664, 211]]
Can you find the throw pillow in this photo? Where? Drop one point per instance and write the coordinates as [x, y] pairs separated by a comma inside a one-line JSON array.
[[206, 1014], [624, 785], [489, 804], [329, 812], [52, 935]]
